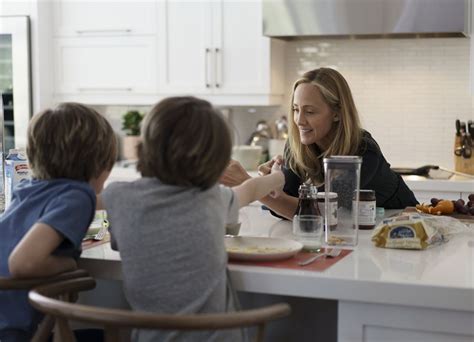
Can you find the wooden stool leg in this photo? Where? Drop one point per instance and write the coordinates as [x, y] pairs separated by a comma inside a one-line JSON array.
[[260, 333], [112, 334], [63, 332], [44, 329]]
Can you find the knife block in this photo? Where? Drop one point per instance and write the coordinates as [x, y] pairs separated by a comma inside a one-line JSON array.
[[464, 165], [461, 164]]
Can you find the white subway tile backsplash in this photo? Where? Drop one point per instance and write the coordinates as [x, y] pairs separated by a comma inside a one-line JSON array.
[[408, 91]]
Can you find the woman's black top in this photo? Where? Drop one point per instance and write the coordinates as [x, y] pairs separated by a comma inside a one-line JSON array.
[[391, 191]]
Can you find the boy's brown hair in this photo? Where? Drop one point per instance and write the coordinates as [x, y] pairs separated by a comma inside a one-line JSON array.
[[70, 141], [185, 142]]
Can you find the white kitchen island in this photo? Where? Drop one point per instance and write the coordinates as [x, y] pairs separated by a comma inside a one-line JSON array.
[[381, 294]]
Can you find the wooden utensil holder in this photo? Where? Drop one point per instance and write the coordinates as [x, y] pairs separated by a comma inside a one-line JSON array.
[[461, 164], [464, 165]]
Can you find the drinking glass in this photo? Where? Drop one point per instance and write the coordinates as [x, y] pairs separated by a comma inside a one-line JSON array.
[[308, 229]]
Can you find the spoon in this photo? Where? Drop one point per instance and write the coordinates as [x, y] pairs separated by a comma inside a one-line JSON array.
[[331, 254]]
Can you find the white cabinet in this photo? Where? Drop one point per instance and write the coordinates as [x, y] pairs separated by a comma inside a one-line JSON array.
[[105, 52], [184, 44], [367, 322], [111, 70], [136, 52], [102, 17], [215, 49]]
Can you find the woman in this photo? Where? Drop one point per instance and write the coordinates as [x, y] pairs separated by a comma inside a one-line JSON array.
[[324, 122]]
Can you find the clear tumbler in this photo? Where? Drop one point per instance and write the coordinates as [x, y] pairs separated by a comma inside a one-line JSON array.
[[342, 176]]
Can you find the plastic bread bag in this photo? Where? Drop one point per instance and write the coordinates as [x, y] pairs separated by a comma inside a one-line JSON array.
[[416, 231]]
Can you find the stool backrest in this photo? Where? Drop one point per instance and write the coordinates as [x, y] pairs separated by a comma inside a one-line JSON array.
[[43, 299], [46, 326]]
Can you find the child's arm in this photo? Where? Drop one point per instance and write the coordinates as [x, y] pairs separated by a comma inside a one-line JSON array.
[[254, 189], [99, 203], [285, 205], [32, 257]]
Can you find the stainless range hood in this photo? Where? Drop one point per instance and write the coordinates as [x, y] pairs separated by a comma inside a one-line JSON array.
[[379, 18]]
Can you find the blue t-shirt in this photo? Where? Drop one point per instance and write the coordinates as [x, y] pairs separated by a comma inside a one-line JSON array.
[[66, 205]]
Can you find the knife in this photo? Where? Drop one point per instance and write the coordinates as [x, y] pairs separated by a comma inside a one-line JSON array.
[[457, 138], [470, 130], [467, 145], [458, 127]]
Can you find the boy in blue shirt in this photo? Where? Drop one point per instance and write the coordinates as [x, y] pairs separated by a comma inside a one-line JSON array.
[[71, 151]]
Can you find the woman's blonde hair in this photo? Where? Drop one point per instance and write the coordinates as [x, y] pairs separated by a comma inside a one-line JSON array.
[[70, 141], [185, 142], [306, 160]]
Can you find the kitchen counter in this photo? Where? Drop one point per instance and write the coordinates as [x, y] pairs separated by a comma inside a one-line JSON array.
[[456, 183], [373, 286], [445, 273]]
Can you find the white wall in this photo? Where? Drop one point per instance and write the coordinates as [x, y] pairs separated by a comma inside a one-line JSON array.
[[408, 91]]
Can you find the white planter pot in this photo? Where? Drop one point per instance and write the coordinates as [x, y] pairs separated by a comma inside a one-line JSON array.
[[129, 147]]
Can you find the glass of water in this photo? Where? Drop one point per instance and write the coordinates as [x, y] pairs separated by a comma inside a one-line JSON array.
[[308, 229]]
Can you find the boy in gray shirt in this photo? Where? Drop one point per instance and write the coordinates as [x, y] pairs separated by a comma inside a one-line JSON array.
[[169, 225]]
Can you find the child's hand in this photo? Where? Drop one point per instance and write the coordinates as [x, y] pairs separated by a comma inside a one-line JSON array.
[[234, 174], [276, 167], [266, 168]]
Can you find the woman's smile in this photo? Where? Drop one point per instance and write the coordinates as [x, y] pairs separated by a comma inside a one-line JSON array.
[[312, 115]]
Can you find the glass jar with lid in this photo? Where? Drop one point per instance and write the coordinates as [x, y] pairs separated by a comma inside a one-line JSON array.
[[367, 209], [342, 176]]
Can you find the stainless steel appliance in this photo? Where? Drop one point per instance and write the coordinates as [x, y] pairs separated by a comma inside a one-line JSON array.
[[300, 18], [15, 86], [15, 80]]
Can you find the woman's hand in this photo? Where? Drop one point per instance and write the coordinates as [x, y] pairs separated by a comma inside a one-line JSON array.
[[266, 168], [234, 174], [276, 168]]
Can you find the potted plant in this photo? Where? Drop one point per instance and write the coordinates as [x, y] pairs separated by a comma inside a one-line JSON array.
[[131, 126]]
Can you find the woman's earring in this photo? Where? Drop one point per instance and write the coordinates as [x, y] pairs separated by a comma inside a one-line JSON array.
[[336, 118]]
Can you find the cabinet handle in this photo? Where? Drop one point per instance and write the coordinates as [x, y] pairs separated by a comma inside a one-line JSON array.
[[104, 89], [127, 30], [206, 67], [218, 62]]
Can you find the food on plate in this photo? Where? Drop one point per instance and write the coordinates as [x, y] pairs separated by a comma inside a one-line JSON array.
[[446, 207], [441, 207], [256, 249]]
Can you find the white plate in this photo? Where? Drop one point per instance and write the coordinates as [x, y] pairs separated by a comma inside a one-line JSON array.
[[260, 248]]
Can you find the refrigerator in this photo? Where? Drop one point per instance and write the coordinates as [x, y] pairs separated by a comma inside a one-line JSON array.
[[15, 86]]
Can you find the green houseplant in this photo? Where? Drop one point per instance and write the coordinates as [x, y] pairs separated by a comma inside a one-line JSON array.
[[131, 121]]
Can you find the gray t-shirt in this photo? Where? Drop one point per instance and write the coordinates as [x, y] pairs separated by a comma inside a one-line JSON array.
[[171, 242]]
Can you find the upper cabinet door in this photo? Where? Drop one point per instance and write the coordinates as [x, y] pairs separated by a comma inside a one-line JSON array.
[[102, 17], [215, 48], [94, 69], [185, 47], [242, 53]]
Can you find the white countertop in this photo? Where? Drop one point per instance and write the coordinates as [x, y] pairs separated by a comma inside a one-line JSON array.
[[441, 277], [416, 183], [455, 183]]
